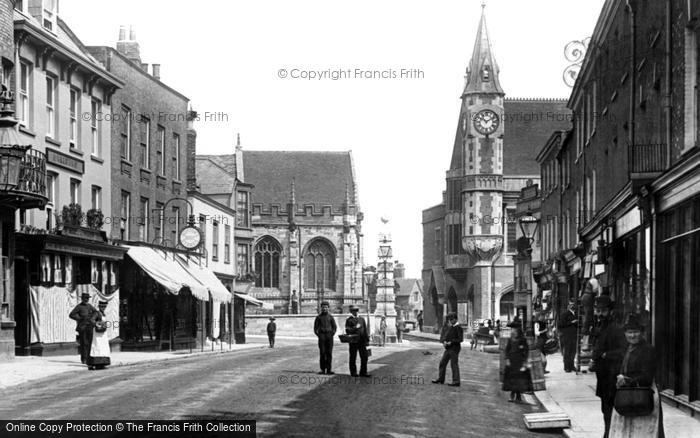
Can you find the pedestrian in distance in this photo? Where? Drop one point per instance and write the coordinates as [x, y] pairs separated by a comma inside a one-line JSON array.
[[100, 354], [637, 370], [451, 339], [271, 331], [400, 325], [420, 320], [84, 315], [356, 325], [516, 377], [541, 337], [568, 323], [609, 344], [325, 328], [382, 331]]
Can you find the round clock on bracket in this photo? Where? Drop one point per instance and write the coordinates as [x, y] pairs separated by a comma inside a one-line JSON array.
[[486, 122], [190, 237]]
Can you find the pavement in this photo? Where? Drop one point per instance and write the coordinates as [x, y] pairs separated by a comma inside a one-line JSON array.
[[280, 388], [574, 394], [23, 369]]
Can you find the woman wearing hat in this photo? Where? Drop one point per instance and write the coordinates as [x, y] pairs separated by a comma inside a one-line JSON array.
[[100, 355], [638, 369], [516, 378]]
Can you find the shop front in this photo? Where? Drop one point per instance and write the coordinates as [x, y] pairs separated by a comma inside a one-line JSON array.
[[51, 272]]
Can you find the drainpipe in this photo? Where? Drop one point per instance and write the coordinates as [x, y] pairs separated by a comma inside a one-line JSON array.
[[631, 6], [669, 81]]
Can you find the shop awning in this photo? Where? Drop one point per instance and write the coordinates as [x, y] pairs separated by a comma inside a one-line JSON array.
[[207, 278], [166, 271], [249, 299]]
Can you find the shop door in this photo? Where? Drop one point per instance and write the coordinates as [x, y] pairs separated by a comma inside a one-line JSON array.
[[239, 320]]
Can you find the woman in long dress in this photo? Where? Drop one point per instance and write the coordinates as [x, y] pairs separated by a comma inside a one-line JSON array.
[[516, 377], [638, 369], [100, 354]]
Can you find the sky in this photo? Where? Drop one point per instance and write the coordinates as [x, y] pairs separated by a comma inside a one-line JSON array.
[[265, 69]]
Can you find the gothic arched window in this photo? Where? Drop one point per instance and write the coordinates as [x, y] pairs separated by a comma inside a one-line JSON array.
[[486, 74], [267, 263], [319, 265]]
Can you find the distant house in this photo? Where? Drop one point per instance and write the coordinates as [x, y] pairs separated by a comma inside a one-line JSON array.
[[409, 297]]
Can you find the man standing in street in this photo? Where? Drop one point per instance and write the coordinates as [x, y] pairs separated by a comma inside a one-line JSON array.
[[382, 331], [607, 356], [84, 314], [420, 321], [271, 330], [356, 325], [451, 338], [324, 328], [567, 333]]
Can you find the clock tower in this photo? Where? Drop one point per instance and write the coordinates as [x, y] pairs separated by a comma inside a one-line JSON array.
[[475, 179]]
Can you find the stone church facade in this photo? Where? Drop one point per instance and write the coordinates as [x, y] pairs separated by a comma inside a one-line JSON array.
[[469, 238], [305, 223]]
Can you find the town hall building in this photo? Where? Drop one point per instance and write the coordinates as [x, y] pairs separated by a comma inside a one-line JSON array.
[[469, 238]]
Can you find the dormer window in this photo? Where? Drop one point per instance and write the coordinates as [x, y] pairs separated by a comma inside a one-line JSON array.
[[49, 13], [486, 74]]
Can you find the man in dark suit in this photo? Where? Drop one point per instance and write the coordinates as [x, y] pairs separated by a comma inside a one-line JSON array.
[[84, 314], [568, 323], [607, 356], [325, 328], [451, 337], [356, 325], [271, 331]]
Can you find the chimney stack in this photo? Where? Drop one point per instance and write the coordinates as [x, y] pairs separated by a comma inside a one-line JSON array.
[[191, 182], [144, 66], [156, 71], [129, 48]]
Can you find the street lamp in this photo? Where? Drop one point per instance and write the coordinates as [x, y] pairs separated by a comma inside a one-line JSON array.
[[11, 150], [528, 225]]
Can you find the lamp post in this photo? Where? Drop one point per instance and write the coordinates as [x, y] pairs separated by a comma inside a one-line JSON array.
[[523, 266], [368, 277]]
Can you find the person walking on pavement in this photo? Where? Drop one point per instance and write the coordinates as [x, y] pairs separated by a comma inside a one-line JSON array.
[[100, 354], [325, 328], [420, 320], [356, 325], [567, 334], [271, 330], [84, 314], [516, 377], [451, 338], [638, 369], [382, 331], [606, 357]]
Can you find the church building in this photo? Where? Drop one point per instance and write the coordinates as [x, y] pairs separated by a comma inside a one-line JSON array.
[[301, 214], [469, 238]]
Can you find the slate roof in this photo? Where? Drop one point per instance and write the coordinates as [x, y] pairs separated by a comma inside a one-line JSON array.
[[320, 178], [528, 125], [212, 178], [406, 286]]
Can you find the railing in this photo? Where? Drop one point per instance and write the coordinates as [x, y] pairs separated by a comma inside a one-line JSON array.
[[32, 173], [647, 158]]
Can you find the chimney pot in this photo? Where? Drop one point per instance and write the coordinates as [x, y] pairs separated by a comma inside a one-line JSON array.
[[156, 71], [144, 66], [122, 32]]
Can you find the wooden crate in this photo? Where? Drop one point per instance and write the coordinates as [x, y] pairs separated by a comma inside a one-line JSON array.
[[547, 420]]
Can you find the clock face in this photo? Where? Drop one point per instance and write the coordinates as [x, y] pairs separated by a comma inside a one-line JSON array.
[[190, 237], [486, 122]]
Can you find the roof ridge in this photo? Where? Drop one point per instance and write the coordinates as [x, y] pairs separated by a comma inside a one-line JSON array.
[[537, 99]]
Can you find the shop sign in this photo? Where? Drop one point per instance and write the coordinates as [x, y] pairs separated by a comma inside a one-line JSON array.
[[628, 222]]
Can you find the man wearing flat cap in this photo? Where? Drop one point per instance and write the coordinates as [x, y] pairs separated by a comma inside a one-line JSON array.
[[607, 356], [84, 314], [325, 328], [271, 330], [356, 325], [451, 338]]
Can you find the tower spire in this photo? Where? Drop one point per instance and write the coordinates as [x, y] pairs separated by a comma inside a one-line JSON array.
[[482, 73]]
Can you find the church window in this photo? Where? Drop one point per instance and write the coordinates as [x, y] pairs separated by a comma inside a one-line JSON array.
[[319, 265], [267, 263]]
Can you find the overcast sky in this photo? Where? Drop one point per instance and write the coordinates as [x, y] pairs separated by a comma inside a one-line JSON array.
[[226, 56]]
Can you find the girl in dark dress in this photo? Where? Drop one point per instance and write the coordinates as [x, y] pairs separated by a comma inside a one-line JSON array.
[[517, 376]]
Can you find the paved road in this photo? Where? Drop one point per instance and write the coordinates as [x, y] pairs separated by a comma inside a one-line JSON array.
[[280, 389]]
